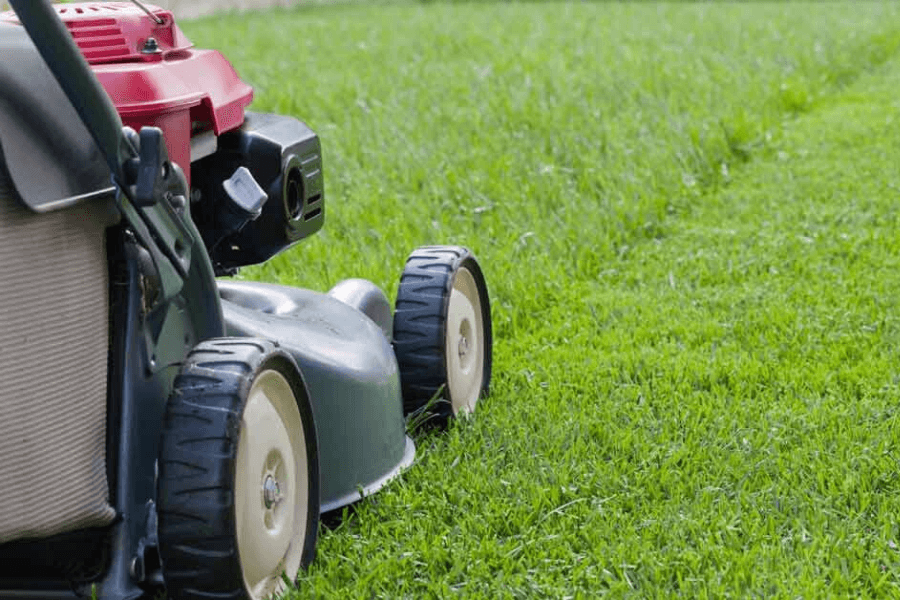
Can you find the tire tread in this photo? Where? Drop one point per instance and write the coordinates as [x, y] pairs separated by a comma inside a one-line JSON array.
[[198, 451], [420, 324]]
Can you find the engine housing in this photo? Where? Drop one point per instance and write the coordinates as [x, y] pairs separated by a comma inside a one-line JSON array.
[[156, 78]]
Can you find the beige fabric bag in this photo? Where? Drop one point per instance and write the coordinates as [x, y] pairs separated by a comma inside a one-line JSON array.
[[54, 336]]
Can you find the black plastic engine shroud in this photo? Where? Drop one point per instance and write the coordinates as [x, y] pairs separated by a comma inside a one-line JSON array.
[[284, 156]]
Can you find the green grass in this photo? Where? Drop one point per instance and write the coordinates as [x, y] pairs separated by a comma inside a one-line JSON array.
[[687, 214]]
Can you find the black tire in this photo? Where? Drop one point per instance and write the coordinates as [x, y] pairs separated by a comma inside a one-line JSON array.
[[226, 388], [421, 333]]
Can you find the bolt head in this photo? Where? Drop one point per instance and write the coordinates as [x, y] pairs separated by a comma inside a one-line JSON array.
[[271, 492], [463, 346], [151, 46]]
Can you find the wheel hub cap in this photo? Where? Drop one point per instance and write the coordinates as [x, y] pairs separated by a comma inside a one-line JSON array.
[[464, 346], [270, 486]]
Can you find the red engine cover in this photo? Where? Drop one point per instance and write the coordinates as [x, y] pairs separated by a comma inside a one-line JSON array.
[[154, 75]]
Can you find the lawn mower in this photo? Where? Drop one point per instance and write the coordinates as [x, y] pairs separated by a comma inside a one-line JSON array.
[[165, 431]]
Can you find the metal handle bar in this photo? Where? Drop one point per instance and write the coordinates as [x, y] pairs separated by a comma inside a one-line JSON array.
[[74, 75]]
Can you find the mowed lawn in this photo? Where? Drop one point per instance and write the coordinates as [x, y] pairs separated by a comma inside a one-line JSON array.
[[688, 217]]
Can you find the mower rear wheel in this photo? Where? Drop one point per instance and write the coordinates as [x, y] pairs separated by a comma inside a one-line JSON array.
[[238, 486], [442, 331]]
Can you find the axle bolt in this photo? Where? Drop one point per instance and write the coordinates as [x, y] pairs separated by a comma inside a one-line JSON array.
[[463, 346], [271, 492]]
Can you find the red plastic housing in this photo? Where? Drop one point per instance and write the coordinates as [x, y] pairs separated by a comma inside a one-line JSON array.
[[154, 75]]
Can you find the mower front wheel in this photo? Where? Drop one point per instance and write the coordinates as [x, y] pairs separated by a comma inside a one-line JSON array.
[[442, 331], [238, 486]]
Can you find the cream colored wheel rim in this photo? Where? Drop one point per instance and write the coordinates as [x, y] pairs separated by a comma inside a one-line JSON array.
[[465, 343], [270, 487]]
